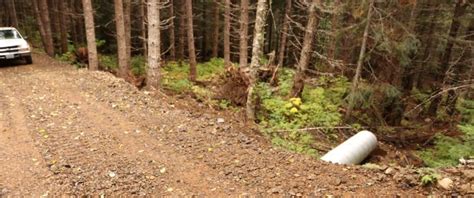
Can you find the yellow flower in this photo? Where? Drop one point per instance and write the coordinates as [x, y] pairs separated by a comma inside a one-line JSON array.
[[296, 101], [293, 110]]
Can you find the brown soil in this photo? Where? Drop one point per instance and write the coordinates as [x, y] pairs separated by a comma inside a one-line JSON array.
[[65, 131]]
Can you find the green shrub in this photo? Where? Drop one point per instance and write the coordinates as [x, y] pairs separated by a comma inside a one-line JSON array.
[[211, 69], [138, 65], [175, 75], [448, 150], [319, 107], [108, 62], [428, 176]]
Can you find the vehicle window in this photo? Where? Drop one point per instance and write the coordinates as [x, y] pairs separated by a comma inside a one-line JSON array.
[[9, 34]]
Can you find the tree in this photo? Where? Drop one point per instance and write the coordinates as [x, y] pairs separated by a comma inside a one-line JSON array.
[[172, 33], [127, 8], [123, 56], [305, 56], [257, 53], [90, 34], [227, 34], [182, 30], [360, 61], [40, 24], [459, 10], [141, 12], [215, 32], [154, 43], [46, 26], [244, 29], [190, 33], [284, 33], [12, 12], [63, 25]]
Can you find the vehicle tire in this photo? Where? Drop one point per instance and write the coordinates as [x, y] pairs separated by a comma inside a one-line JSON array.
[[29, 60]]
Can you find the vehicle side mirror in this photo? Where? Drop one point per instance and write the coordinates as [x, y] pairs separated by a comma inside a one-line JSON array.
[[25, 37]]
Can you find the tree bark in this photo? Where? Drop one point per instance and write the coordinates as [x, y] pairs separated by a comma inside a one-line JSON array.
[[461, 67], [459, 10], [154, 44], [90, 34], [257, 52], [12, 12], [305, 56], [227, 24], [79, 26], [39, 21], [64, 26], [172, 33], [122, 52], [284, 33], [48, 36], [182, 30], [215, 32], [191, 48], [142, 10], [335, 26], [360, 61], [127, 8], [55, 27], [244, 31]]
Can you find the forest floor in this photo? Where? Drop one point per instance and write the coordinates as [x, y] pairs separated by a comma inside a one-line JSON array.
[[76, 132]]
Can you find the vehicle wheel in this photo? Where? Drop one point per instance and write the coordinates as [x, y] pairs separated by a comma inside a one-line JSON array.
[[29, 60]]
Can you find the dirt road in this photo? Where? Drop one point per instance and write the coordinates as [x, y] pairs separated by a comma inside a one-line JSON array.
[[69, 131]]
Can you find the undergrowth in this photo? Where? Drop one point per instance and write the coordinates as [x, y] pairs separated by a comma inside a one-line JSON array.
[[280, 118], [175, 78], [448, 150], [175, 75]]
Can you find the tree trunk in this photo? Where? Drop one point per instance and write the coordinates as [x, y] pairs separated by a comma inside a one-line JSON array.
[[72, 21], [55, 27], [127, 8], [63, 25], [48, 36], [143, 40], [408, 72], [227, 24], [360, 61], [257, 53], [12, 11], [244, 31], [90, 34], [191, 48], [39, 21], [305, 56], [445, 60], [335, 35], [154, 44], [420, 64], [122, 52], [215, 32], [172, 33], [182, 30], [80, 26], [462, 67], [284, 33]]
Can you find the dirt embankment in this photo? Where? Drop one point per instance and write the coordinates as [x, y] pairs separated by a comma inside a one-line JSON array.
[[68, 131]]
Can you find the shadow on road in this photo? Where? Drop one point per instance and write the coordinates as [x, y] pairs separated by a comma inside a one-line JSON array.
[[11, 63]]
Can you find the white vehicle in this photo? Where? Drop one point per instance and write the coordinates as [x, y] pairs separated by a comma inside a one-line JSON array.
[[13, 46]]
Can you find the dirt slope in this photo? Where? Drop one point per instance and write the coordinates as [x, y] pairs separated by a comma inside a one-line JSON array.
[[69, 131]]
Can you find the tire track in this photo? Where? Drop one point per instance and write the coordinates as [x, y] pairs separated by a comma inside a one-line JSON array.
[[91, 149], [21, 165]]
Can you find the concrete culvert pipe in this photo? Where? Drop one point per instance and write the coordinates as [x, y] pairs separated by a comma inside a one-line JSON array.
[[354, 150]]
